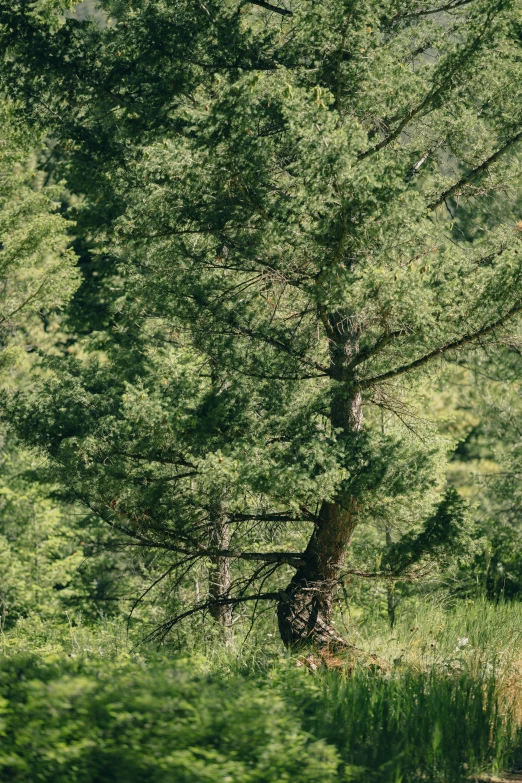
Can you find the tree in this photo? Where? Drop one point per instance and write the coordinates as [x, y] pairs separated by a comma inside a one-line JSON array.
[[275, 186], [36, 265], [37, 274]]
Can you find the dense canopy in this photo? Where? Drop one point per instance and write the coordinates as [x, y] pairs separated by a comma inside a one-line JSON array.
[[290, 218]]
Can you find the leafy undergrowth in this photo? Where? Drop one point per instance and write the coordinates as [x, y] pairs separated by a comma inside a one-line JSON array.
[[78, 705]]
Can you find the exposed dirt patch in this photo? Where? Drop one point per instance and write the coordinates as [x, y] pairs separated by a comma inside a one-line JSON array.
[[345, 659]]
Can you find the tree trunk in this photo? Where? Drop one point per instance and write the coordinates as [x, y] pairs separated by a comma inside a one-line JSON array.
[[390, 587], [219, 575], [306, 606]]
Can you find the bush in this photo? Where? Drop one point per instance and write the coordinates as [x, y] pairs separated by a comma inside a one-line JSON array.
[[154, 724], [496, 570]]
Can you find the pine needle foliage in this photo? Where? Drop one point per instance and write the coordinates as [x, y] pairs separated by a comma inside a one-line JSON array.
[[36, 263], [273, 187]]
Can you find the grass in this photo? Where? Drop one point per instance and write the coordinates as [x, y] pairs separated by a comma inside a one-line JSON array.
[[83, 705], [413, 726], [473, 635]]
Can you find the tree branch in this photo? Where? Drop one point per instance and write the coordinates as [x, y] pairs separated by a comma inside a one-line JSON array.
[[474, 173], [369, 574], [175, 459], [380, 575], [282, 346], [469, 338], [434, 94], [194, 550], [367, 353], [270, 7], [275, 517], [161, 632], [429, 11], [290, 558]]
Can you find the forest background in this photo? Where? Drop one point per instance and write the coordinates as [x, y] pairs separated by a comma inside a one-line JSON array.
[[260, 390]]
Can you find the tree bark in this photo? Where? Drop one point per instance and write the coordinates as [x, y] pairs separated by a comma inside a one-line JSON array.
[[306, 606], [390, 587], [219, 576]]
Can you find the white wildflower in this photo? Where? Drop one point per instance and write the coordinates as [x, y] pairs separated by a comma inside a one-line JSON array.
[[461, 642]]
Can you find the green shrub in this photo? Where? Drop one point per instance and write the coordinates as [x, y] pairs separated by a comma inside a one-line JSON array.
[[496, 571], [154, 724]]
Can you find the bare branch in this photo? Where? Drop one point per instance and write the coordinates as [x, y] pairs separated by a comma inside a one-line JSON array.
[[163, 576], [382, 575], [468, 338], [270, 7], [194, 550], [161, 631], [290, 558], [275, 517], [370, 574]]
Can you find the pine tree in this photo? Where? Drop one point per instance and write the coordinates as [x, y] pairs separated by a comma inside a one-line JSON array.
[[275, 186], [36, 263]]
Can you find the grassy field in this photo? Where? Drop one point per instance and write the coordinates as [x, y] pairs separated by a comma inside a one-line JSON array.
[[80, 704]]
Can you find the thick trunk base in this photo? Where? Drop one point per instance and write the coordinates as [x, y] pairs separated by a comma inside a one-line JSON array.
[[306, 607], [303, 614]]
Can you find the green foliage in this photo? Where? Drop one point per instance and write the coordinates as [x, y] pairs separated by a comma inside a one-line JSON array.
[[262, 206], [270, 247], [81, 708], [446, 536], [36, 265], [496, 570], [40, 551], [289, 226], [64, 722], [54, 557]]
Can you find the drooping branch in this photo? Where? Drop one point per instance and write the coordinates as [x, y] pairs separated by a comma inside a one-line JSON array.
[[159, 633], [156, 582], [476, 172], [191, 548], [455, 345]]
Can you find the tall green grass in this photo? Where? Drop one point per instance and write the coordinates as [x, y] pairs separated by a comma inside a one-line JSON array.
[[72, 722], [412, 726], [479, 635]]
